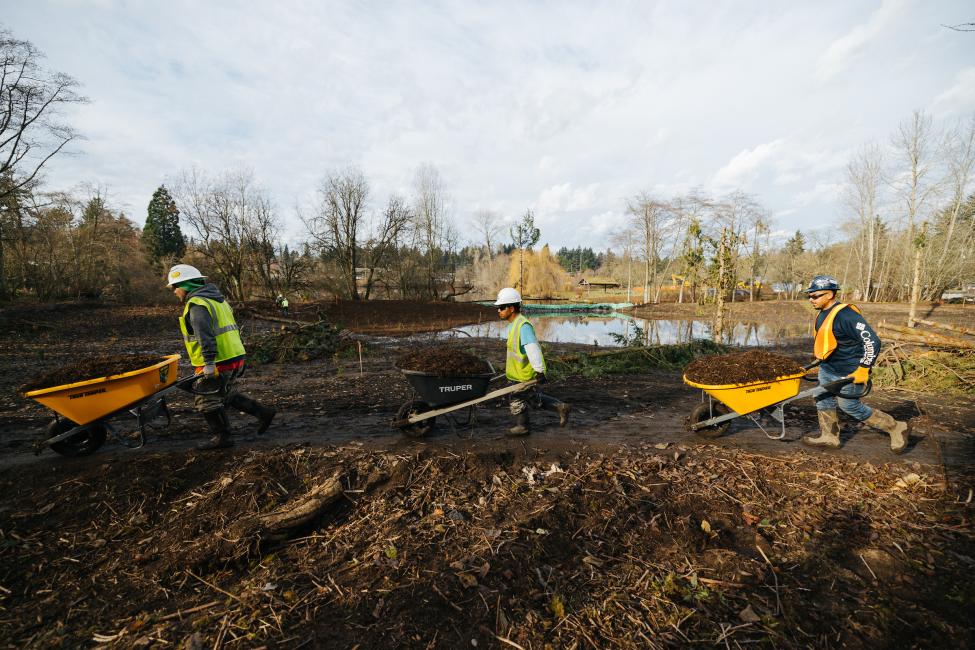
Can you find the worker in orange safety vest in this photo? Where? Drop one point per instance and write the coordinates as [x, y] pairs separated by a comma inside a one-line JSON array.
[[847, 348]]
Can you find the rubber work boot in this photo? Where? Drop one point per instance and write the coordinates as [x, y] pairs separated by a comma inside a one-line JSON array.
[[829, 427], [521, 427], [220, 427], [898, 430], [563, 410], [249, 406]]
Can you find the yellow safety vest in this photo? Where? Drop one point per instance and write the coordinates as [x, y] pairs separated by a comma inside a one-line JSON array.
[[517, 367], [825, 339], [229, 345]]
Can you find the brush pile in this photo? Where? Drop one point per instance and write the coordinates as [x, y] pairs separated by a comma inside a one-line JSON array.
[[654, 547]]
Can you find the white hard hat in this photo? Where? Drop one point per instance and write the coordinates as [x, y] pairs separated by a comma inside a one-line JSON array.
[[182, 273], [508, 296]]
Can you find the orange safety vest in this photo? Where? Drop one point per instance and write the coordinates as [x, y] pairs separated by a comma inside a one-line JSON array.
[[825, 339]]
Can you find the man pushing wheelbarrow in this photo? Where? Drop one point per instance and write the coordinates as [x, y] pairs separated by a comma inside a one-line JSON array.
[[524, 362], [217, 353], [847, 348]]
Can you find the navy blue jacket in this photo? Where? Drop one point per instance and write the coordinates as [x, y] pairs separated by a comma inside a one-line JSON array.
[[856, 342]]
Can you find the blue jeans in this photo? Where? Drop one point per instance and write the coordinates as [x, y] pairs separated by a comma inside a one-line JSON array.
[[849, 400]]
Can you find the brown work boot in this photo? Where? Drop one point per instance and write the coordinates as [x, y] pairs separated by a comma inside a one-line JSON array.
[[220, 427], [829, 427], [898, 431], [563, 410], [521, 427]]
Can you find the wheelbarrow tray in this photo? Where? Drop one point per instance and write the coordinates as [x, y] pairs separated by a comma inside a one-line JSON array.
[[87, 401], [441, 391], [746, 398]]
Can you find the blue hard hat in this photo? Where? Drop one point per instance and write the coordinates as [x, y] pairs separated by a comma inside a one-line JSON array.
[[823, 283]]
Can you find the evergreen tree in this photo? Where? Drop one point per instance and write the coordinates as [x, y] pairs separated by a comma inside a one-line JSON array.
[[524, 235], [161, 237]]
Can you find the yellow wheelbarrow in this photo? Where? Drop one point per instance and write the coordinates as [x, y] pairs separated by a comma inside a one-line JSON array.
[[729, 401], [82, 409]]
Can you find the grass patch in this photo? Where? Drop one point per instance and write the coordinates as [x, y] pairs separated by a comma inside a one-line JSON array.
[[633, 359]]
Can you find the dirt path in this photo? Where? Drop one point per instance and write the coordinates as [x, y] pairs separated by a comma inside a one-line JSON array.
[[336, 409]]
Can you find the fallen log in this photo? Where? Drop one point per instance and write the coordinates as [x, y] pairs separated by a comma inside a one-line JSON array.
[[929, 338], [945, 326], [311, 505]]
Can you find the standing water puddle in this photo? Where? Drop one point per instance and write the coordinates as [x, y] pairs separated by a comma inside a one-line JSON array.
[[617, 329]]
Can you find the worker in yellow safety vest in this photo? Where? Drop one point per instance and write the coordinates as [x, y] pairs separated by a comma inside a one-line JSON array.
[[525, 362], [216, 351], [847, 347]]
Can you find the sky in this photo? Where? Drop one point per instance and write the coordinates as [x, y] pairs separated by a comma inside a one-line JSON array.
[[565, 108]]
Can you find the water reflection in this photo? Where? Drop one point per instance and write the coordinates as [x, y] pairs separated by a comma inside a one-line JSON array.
[[616, 329]]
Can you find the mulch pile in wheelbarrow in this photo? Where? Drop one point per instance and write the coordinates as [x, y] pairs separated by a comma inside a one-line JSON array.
[[91, 369], [741, 368], [443, 362]]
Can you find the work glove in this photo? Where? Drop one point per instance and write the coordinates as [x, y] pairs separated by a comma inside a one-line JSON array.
[[210, 370], [540, 378], [861, 375]]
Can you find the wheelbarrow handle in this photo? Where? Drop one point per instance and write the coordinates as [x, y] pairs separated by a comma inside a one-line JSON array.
[[813, 364], [188, 384], [185, 383], [835, 386]]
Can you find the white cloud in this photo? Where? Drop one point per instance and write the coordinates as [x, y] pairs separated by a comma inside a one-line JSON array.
[[746, 164], [960, 98], [821, 193], [843, 51], [566, 198]]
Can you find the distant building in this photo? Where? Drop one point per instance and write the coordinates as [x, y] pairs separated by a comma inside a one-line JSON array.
[[605, 283]]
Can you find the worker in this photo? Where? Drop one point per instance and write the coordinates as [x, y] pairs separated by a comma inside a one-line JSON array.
[[216, 351], [847, 348], [283, 304], [524, 363]]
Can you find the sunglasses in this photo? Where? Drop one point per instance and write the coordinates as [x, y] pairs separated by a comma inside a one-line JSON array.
[[504, 307], [817, 296]]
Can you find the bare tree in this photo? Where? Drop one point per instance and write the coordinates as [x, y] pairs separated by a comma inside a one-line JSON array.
[[649, 217], [31, 101], [338, 220], [260, 241], [228, 214], [915, 187], [760, 227], [954, 236], [432, 231], [864, 176], [393, 221], [488, 225]]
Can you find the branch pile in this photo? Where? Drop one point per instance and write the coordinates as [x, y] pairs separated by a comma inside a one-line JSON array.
[[923, 360], [294, 341]]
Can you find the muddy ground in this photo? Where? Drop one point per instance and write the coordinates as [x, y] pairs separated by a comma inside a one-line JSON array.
[[621, 529]]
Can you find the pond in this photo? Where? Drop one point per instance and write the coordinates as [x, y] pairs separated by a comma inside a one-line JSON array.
[[616, 329]]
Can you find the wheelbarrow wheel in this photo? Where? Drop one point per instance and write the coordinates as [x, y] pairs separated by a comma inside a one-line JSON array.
[[84, 442], [707, 411], [418, 429]]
